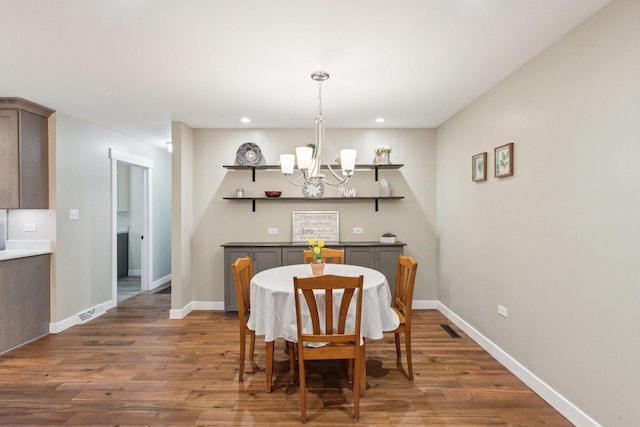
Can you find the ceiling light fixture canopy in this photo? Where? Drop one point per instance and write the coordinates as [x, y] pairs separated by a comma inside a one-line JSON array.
[[310, 159]]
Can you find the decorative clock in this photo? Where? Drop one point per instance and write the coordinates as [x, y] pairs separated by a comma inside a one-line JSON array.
[[313, 190]]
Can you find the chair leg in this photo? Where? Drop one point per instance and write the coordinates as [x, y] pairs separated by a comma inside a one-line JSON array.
[[242, 355], [397, 335], [363, 370], [357, 390], [252, 345], [292, 361], [303, 385], [268, 368], [407, 343]]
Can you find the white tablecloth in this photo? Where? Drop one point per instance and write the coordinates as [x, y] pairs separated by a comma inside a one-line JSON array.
[[273, 312]]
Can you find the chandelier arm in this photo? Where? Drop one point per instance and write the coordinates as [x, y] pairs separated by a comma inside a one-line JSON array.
[[295, 181], [336, 184], [341, 179]]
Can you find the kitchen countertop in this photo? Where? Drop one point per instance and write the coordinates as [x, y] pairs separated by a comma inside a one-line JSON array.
[[26, 248]]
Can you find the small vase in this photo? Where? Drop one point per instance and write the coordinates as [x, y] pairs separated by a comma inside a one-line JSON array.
[[382, 158], [317, 269]]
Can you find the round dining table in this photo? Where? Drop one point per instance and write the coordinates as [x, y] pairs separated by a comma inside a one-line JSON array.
[[273, 312]]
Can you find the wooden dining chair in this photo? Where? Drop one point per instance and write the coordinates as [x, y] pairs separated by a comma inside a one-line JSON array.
[[333, 256], [242, 274], [402, 302], [340, 342]]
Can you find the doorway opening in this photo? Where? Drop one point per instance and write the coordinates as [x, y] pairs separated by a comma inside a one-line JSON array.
[[130, 216], [131, 225]]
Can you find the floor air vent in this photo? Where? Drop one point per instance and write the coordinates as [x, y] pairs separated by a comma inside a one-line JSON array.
[[91, 314], [450, 331], [86, 315]]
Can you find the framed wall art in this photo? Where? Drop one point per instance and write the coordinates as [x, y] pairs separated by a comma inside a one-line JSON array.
[[322, 225], [479, 167], [503, 160]]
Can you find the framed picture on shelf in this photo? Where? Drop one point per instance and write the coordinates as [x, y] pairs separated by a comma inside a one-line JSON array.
[[479, 167], [503, 160]]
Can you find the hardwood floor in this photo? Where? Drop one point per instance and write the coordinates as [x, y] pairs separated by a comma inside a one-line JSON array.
[[134, 366]]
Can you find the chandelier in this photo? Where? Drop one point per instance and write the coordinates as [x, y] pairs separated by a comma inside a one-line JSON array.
[[310, 159]]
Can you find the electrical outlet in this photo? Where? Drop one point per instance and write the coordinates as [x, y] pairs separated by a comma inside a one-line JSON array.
[[502, 311], [273, 230], [31, 227], [357, 230], [74, 214]]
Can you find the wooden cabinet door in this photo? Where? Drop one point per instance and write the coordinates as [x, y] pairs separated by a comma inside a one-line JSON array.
[[292, 255], [34, 161], [266, 258], [387, 263], [9, 172], [362, 256], [24, 300], [230, 255], [261, 259]]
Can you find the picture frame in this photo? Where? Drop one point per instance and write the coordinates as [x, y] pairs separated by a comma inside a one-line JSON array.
[[503, 160], [479, 167], [323, 225]]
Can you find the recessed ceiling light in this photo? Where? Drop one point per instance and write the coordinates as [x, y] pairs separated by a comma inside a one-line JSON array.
[[380, 120], [245, 120]]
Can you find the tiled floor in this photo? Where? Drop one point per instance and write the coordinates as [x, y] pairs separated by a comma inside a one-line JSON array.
[[128, 286]]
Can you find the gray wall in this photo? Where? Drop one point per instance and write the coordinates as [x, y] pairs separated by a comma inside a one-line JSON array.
[[83, 181], [558, 244], [216, 221]]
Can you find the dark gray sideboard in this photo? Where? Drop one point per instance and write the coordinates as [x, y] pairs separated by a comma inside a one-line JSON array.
[[264, 255]]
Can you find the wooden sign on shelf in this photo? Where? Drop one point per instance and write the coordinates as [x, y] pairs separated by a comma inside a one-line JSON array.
[[322, 225]]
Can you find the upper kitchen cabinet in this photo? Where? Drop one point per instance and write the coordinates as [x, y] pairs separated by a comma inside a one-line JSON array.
[[24, 154]]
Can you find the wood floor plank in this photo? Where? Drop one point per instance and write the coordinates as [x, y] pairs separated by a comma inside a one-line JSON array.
[[135, 366]]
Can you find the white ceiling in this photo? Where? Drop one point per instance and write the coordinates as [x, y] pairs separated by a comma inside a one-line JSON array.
[[136, 65]]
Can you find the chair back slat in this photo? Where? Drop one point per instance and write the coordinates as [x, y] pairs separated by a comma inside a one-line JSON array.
[[344, 309]]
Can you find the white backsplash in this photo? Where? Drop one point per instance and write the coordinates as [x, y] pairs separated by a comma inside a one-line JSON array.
[[44, 220]]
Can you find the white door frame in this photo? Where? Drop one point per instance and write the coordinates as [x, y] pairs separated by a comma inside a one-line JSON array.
[[147, 220]]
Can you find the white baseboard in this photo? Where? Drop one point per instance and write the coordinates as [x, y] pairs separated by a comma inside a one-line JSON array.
[[574, 414], [181, 313], [161, 281], [196, 305], [425, 305], [77, 319]]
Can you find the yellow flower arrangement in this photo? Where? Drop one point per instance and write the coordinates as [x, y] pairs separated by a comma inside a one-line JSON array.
[[316, 246]]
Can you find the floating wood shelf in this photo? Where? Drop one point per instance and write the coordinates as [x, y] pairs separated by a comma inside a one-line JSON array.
[[253, 169], [306, 199]]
